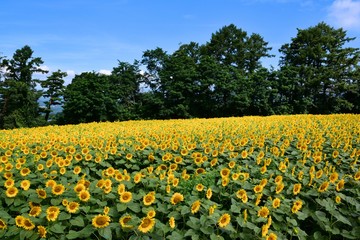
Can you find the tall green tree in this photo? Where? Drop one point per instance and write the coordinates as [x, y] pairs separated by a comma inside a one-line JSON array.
[[19, 97], [87, 99], [54, 85], [125, 82], [323, 67]]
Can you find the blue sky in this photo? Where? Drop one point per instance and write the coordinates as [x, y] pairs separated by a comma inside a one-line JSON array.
[[91, 35]]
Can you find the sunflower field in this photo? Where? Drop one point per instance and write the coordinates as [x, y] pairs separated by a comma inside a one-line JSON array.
[[277, 177]]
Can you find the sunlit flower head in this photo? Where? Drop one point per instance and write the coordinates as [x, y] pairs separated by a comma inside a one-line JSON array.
[[100, 221], [224, 220], [35, 211], [3, 224], [124, 222], [263, 212], [42, 231], [84, 195], [72, 207], [126, 197], [11, 192], [28, 224], [176, 198], [172, 222], [195, 207], [146, 224]]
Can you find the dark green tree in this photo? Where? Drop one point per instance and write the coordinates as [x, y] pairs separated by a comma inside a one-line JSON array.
[[152, 98], [323, 67], [19, 97], [87, 98], [54, 85], [125, 82]]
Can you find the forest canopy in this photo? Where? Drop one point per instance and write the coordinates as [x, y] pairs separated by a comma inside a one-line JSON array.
[[318, 73]]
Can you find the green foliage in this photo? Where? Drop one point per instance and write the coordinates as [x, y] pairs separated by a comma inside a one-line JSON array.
[[19, 97]]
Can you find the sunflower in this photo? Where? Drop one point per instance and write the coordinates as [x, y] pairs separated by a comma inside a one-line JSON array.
[[79, 187], [124, 220], [258, 188], [146, 224], [338, 199], [175, 182], [77, 170], [357, 176], [35, 211], [8, 175], [121, 189], [24, 172], [319, 173], [340, 185], [72, 207], [84, 195], [333, 177], [19, 221], [195, 207], [151, 213], [225, 181], [11, 192], [225, 172], [176, 198], [296, 206], [323, 187], [52, 213], [28, 224], [3, 224], [101, 221], [42, 231], [271, 236], [276, 203], [64, 202], [172, 222], [50, 183], [41, 193], [208, 193], [58, 189], [125, 197], [263, 212], [149, 199], [40, 167], [199, 187], [241, 194], [264, 230], [224, 220], [279, 188], [231, 164], [106, 210], [263, 182], [297, 188], [9, 183]]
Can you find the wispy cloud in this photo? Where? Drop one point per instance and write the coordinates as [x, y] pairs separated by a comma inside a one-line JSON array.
[[105, 72], [345, 13]]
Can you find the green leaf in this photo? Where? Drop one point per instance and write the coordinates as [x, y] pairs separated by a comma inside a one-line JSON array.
[[64, 216], [9, 201], [135, 207], [78, 221], [57, 228], [213, 236], [105, 233], [175, 235], [322, 216], [121, 207], [72, 235], [55, 202], [194, 223]]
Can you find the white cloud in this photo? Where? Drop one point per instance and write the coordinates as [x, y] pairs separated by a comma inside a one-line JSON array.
[[105, 72], [70, 73], [345, 13], [44, 68]]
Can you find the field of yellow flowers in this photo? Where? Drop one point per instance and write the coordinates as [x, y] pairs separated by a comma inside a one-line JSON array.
[[278, 177]]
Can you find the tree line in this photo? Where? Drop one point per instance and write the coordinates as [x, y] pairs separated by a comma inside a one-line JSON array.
[[317, 74]]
